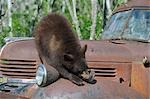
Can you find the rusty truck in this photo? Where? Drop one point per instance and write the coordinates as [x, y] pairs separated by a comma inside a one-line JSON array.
[[121, 61]]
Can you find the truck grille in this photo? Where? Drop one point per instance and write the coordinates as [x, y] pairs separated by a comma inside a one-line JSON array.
[[105, 72], [18, 68]]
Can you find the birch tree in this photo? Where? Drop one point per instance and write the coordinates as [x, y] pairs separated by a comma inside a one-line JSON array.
[[74, 16], [107, 10], [125, 1], [9, 5], [94, 17], [108, 5], [2, 13], [64, 6]]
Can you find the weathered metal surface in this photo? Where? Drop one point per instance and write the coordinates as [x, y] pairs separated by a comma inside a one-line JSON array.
[[108, 51], [112, 63], [10, 96], [102, 51], [18, 61], [138, 4], [140, 78], [103, 89], [22, 50]]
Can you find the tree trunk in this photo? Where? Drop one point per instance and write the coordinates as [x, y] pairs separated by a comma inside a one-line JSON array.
[[9, 5], [104, 13], [74, 17], [1, 15], [125, 1], [108, 5], [63, 7], [94, 17]]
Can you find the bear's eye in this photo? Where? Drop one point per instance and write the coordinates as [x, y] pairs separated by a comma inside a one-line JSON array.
[[68, 57]]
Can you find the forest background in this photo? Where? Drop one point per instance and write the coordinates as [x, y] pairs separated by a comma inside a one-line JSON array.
[[18, 18]]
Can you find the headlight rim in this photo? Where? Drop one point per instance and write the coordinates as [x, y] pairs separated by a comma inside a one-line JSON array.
[[44, 74]]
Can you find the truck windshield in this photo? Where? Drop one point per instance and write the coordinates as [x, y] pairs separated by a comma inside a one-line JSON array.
[[130, 25]]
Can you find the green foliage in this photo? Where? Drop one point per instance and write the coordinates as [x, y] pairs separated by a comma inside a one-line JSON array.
[[84, 16], [2, 36], [99, 26], [117, 3], [85, 26], [45, 7], [20, 25], [24, 21]]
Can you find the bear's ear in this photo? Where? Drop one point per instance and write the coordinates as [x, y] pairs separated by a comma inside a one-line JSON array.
[[84, 49], [68, 57]]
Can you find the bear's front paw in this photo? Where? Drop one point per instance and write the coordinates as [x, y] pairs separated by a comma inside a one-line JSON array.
[[76, 80], [89, 76], [91, 81]]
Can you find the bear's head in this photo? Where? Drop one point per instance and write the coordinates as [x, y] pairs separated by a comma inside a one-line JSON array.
[[75, 62]]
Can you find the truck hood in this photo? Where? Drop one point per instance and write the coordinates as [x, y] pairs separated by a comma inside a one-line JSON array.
[[116, 50]]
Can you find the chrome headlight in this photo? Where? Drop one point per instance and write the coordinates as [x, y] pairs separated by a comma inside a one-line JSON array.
[[41, 75]]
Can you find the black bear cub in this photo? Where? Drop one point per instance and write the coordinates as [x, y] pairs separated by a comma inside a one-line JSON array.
[[60, 48]]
